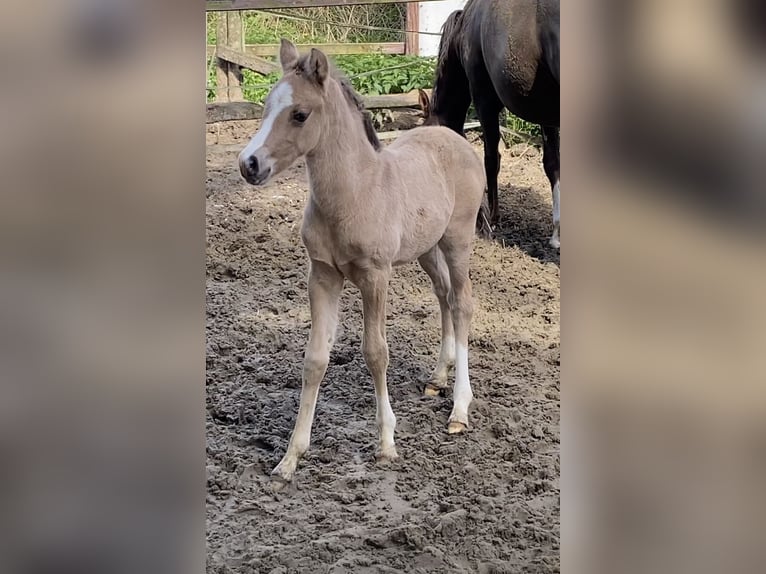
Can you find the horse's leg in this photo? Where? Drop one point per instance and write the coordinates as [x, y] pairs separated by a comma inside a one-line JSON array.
[[325, 286], [488, 108], [552, 166], [373, 283], [435, 265], [457, 253]]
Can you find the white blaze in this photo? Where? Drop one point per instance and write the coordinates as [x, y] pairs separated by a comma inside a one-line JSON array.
[[281, 97]]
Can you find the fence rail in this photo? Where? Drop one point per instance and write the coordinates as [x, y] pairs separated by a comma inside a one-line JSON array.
[[266, 50], [226, 111]]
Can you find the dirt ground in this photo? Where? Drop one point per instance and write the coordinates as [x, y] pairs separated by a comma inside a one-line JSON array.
[[486, 501]]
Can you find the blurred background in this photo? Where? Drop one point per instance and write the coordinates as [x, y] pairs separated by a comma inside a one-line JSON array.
[[102, 290], [664, 389]]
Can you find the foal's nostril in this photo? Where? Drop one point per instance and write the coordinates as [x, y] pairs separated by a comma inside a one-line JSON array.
[[248, 167]]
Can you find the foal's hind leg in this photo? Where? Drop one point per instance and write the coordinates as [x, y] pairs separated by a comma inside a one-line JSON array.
[[457, 252], [325, 286], [552, 166], [373, 283], [435, 265]]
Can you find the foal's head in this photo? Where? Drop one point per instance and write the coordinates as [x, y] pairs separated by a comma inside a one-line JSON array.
[[296, 114]]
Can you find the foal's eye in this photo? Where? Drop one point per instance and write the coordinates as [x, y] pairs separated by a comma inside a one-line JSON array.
[[300, 117]]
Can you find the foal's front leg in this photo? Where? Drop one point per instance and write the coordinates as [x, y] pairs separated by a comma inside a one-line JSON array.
[[325, 286], [373, 283]]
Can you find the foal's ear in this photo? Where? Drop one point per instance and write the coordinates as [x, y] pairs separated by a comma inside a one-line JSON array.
[[425, 102], [288, 55], [318, 66]]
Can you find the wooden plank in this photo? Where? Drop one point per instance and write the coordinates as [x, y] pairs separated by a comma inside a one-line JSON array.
[[412, 23], [222, 67], [331, 49], [228, 111], [216, 5], [254, 63], [408, 100], [235, 42]]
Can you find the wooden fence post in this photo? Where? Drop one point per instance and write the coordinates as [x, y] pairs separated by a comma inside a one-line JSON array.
[[229, 34], [235, 41], [412, 23], [222, 68]]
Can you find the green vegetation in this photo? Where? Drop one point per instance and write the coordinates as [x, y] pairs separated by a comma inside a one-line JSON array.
[[376, 74], [523, 127], [371, 74]]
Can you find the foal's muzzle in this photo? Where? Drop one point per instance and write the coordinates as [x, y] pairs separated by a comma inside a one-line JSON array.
[[255, 171]]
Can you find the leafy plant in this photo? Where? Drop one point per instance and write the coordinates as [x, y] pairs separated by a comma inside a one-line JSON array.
[[376, 74], [522, 126]]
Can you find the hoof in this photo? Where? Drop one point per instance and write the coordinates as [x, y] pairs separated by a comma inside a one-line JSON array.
[[432, 390], [555, 243], [278, 483], [455, 427], [387, 455], [282, 473]]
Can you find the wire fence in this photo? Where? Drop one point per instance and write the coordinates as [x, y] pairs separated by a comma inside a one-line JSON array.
[[346, 24]]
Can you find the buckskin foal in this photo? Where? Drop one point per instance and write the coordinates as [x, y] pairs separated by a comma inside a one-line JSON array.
[[368, 210]]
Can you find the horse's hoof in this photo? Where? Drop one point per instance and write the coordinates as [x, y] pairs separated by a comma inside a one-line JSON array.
[[281, 476], [386, 454], [278, 483], [456, 427], [432, 390], [555, 243]]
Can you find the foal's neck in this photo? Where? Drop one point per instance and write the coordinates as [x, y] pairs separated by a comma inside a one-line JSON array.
[[343, 161]]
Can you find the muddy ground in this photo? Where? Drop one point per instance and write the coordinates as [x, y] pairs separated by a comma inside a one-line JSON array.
[[486, 501]]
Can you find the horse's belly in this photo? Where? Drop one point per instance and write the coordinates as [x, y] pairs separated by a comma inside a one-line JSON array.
[[425, 231]]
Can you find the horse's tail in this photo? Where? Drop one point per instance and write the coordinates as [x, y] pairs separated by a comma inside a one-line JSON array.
[[451, 24]]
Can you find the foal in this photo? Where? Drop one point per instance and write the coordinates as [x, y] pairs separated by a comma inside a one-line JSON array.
[[369, 210]]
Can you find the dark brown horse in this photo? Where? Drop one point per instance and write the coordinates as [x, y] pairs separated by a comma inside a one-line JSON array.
[[501, 53]]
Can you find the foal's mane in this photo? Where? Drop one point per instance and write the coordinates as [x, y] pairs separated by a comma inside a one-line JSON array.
[[354, 100]]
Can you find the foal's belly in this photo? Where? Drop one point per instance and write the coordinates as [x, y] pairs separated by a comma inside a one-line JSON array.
[[420, 238]]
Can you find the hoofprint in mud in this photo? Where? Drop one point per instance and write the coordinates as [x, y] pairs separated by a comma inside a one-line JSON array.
[[484, 501]]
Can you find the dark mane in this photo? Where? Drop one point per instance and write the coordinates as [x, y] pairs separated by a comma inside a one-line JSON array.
[[354, 100], [451, 25], [450, 97]]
